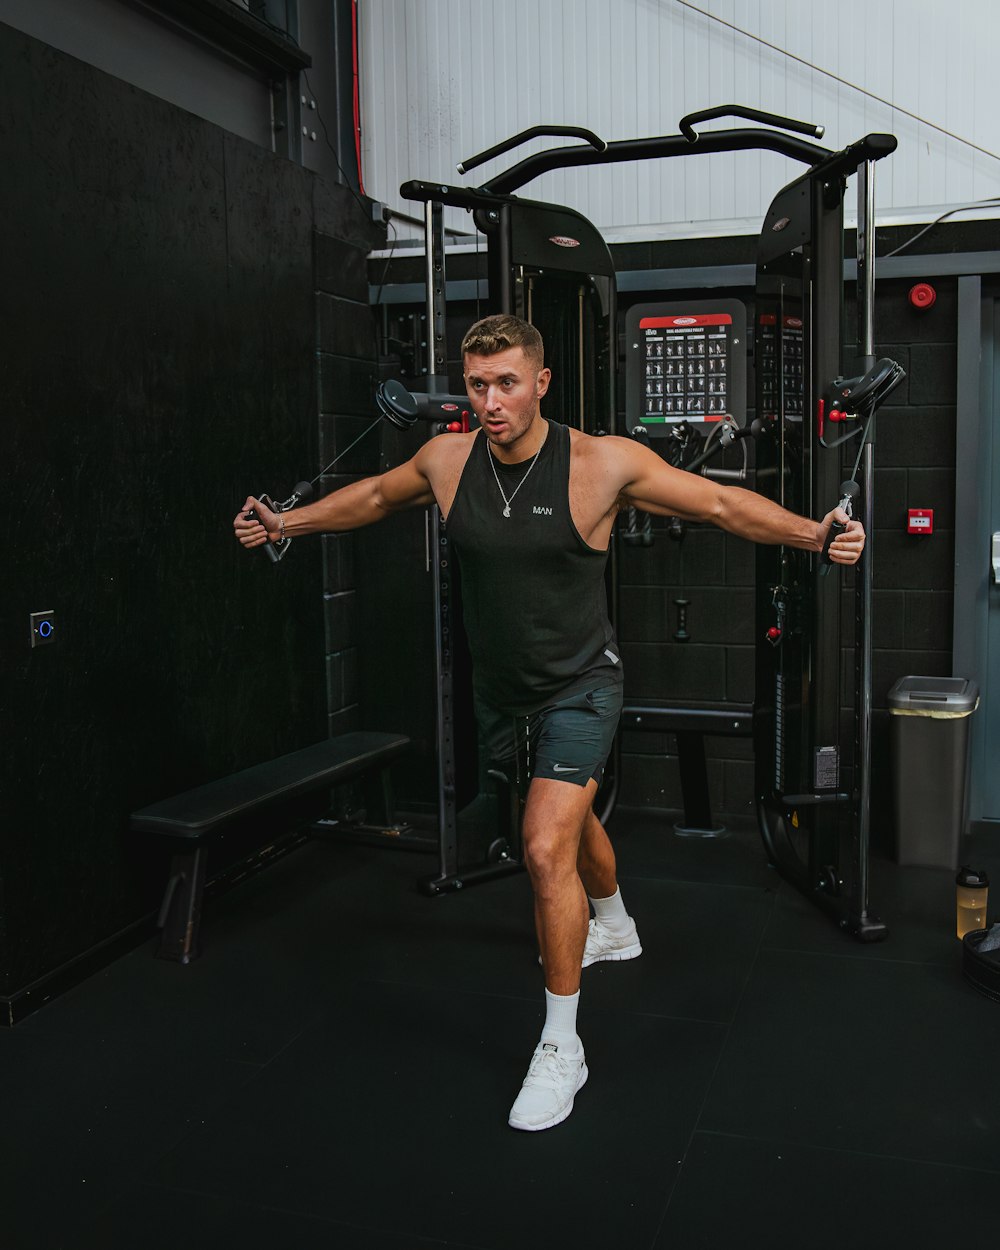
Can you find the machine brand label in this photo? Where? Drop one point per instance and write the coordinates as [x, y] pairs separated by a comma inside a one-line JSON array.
[[650, 324], [563, 240], [449, 407], [789, 323]]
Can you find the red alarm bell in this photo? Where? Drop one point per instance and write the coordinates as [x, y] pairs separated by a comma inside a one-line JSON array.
[[923, 296]]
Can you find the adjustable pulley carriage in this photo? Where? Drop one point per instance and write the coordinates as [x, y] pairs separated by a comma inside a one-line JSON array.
[[812, 746]]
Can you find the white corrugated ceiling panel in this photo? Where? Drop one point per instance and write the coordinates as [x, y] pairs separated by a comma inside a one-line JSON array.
[[443, 79]]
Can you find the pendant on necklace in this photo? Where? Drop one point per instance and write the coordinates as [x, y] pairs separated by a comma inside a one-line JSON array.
[[506, 511]]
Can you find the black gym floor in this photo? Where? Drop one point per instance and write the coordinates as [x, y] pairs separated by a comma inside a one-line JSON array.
[[336, 1072]]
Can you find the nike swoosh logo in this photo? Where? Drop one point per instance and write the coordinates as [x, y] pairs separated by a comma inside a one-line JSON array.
[[564, 768]]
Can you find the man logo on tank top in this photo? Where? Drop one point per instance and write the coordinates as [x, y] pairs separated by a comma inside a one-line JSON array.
[[538, 510]]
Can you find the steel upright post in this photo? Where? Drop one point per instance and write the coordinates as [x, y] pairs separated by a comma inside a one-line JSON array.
[[861, 924]]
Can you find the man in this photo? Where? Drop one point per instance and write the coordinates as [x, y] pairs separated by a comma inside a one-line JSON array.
[[530, 506]]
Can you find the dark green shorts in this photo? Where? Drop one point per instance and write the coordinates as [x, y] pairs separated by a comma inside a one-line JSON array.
[[570, 740]]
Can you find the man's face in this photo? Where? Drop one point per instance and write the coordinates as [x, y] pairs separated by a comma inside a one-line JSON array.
[[504, 391]]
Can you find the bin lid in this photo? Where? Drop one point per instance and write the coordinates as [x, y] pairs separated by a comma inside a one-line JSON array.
[[972, 878], [946, 695]]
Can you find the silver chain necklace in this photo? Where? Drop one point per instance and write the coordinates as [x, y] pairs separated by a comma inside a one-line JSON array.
[[496, 475]]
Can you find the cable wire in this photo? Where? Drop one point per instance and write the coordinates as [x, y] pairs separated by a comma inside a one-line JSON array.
[[326, 136], [385, 267], [962, 208]]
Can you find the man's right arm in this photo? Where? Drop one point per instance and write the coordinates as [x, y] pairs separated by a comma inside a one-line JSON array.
[[360, 503]]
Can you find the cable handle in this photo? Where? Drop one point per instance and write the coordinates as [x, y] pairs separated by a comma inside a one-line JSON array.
[[302, 493], [849, 491]]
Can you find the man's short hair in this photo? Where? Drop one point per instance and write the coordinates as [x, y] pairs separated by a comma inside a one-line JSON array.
[[500, 332]]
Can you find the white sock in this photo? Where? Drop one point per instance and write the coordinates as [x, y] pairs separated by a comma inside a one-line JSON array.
[[560, 1021], [612, 914]]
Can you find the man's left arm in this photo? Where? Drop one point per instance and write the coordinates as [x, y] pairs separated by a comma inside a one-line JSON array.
[[652, 485]]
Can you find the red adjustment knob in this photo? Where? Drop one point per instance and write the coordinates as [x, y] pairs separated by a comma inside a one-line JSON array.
[[923, 295], [773, 634], [454, 427]]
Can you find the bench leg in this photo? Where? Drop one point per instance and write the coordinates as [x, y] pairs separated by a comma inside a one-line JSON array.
[[387, 816], [694, 788], [180, 912], [379, 826]]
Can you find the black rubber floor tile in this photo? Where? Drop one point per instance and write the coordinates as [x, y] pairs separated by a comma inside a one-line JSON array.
[[742, 1192], [890, 1058], [162, 1219], [392, 1114], [276, 947], [698, 945], [481, 938], [235, 1004], [646, 845], [86, 1110], [356, 913], [266, 946], [917, 905]]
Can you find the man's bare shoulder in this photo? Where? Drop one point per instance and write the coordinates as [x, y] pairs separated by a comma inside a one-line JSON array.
[[442, 461], [446, 447], [599, 444], [444, 452], [604, 454]]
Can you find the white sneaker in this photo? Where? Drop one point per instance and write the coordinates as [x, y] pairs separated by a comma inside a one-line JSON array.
[[602, 945], [546, 1097]]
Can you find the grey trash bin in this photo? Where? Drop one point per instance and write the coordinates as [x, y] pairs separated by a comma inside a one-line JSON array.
[[929, 742]]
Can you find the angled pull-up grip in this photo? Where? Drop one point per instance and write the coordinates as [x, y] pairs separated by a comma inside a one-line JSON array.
[[576, 132], [754, 115]]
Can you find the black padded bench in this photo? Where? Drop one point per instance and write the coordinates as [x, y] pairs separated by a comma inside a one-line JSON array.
[[190, 819], [691, 722]]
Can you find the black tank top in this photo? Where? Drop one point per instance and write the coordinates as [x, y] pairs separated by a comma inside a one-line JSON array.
[[533, 591]]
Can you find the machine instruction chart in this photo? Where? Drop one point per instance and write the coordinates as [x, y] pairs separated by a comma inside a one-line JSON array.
[[686, 363]]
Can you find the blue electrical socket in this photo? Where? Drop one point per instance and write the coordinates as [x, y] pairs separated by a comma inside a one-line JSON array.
[[43, 628]]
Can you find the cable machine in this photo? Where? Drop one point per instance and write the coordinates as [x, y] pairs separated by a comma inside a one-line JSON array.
[[550, 265]]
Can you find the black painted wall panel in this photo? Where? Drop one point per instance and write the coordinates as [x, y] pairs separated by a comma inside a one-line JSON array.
[[341, 267], [348, 369], [160, 336], [346, 327], [347, 385]]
